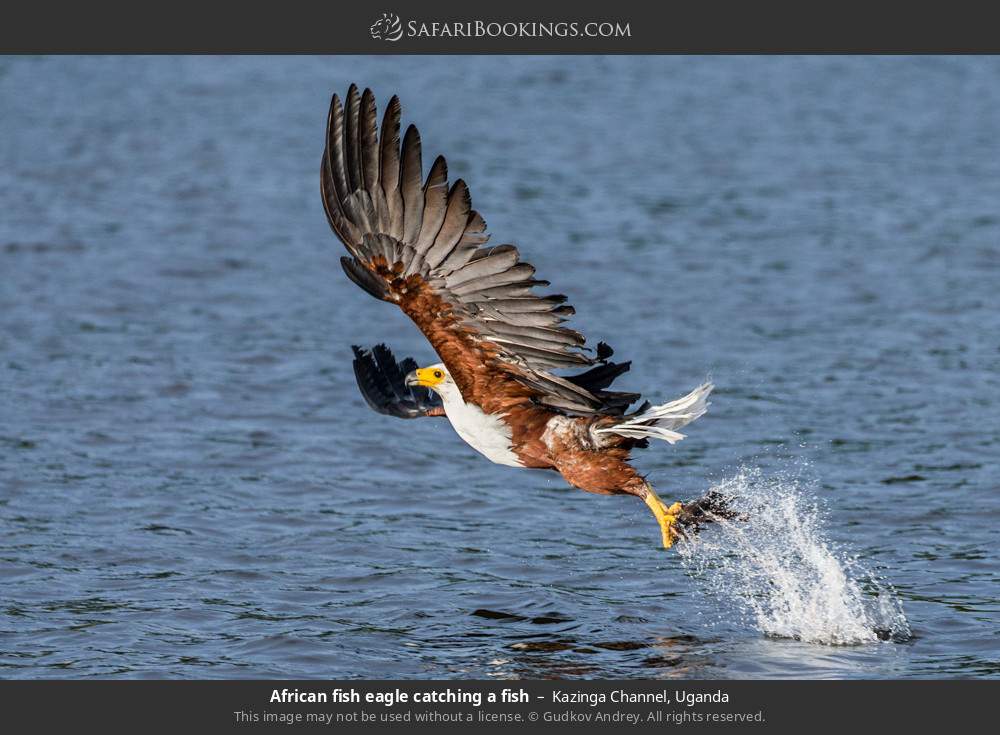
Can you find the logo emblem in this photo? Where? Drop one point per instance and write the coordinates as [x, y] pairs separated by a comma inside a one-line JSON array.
[[387, 28]]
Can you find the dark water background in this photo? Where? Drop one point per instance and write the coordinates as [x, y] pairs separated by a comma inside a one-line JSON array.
[[191, 486]]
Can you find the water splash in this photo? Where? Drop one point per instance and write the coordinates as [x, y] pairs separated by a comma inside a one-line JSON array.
[[784, 576]]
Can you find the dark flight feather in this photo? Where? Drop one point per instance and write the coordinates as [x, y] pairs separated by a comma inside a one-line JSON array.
[[412, 186], [368, 143], [389, 160], [600, 377], [353, 115], [453, 222], [383, 384], [435, 206], [363, 277]]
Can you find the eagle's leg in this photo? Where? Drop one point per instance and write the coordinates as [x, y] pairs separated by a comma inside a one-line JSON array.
[[610, 475], [681, 520], [666, 515]]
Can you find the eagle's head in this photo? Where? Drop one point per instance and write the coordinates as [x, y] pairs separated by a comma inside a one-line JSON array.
[[435, 377]]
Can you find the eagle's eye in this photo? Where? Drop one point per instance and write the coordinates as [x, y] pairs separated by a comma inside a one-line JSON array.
[[438, 374]]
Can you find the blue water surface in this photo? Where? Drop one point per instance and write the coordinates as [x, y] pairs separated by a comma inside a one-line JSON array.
[[191, 485]]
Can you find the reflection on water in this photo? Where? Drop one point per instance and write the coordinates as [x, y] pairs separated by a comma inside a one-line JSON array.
[[191, 486]]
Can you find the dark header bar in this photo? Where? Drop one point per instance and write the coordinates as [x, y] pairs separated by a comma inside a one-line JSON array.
[[514, 26]]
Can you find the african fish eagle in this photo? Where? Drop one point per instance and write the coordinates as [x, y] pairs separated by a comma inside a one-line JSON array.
[[419, 244]]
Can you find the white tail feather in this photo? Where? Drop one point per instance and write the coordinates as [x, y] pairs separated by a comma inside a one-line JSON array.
[[662, 422]]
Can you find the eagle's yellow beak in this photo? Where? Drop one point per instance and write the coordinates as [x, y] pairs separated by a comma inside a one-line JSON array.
[[426, 377]]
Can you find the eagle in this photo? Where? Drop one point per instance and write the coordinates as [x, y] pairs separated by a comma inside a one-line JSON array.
[[417, 242]]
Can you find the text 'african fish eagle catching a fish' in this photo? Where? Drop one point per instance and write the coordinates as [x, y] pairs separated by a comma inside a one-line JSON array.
[[419, 244]]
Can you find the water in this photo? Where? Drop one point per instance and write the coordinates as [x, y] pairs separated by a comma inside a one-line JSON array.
[[191, 486], [773, 561]]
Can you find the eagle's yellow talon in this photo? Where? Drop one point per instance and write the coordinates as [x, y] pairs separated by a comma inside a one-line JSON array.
[[670, 534], [665, 515]]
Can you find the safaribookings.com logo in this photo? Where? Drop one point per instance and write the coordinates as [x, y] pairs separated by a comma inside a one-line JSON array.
[[387, 28], [390, 28]]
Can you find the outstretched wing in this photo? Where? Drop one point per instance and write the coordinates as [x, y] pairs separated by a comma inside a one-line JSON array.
[[418, 243], [382, 381]]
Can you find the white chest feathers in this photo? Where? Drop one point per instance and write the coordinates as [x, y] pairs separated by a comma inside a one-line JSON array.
[[487, 434]]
